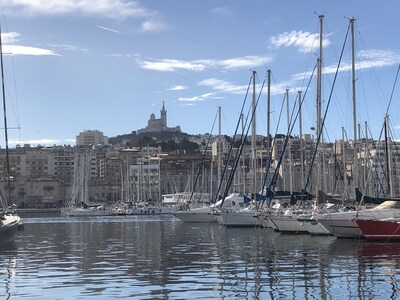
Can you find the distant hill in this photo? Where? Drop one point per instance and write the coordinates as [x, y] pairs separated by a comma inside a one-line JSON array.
[[168, 141]]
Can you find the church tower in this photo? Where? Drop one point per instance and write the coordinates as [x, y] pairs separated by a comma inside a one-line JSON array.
[[163, 116]]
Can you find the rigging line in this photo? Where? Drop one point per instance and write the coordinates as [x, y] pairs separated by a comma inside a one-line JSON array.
[[378, 146], [391, 135], [272, 185], [270, 155], [231, 146], [325, 113], [289, 130], [13, 73], [393, 88], [5, 119], [232, 143], [202, 159], [237, 158], [371, 65], [242, 145]]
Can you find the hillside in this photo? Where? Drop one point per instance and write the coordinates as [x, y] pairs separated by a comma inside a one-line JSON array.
[[168, 141]]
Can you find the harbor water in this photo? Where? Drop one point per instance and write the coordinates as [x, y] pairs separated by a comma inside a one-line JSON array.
[[159, 257]]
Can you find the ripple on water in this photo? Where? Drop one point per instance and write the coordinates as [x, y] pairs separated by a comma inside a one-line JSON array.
[[159, 258]]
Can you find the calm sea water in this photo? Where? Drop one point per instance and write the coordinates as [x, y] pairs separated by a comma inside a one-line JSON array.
[[158, 257]]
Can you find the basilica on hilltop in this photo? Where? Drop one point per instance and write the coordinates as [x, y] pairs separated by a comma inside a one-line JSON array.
[[159, 125]]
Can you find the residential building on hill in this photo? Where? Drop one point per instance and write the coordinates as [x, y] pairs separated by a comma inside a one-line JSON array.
[[91, 138]]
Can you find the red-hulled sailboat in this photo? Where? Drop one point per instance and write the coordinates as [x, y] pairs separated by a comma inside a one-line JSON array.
[[380, 230]]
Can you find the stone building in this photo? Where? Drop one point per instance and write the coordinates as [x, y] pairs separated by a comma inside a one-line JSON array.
[[159, 125]]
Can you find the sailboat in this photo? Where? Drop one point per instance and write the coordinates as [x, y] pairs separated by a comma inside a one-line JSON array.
[[9, 220], [344, 224], [386, 230], [77, 204]]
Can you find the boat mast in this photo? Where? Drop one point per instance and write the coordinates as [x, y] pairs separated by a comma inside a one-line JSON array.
[[5, 120], [219, 145], [388, 158], [289, 144], [353, 80], [344, 164], [319, 121], [268, 163], [301, 143], [243, 160], [253, 137]]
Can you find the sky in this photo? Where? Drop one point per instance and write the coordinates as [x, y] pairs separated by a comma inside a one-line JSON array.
[[75, 65]]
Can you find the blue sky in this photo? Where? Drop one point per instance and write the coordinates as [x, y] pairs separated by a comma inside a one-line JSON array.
[[108, 64]]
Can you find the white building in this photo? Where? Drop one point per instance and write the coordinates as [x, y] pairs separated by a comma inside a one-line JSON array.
[[91, 138]]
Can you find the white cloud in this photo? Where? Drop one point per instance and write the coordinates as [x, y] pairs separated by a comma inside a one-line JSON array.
[[305, 42], [244, 62], [177, 88], [34, 142], [68, 47], [26, 50], [109, 8], [9, 37], [223, 86], [9, 48], [152, 26], [223, 11], [173, 65], [196, 98], [366, 59]]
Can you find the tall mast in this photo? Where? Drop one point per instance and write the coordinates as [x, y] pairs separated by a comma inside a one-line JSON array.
[[268, 112], [301, 143], [289, 143], [344, 165], [253, 137], [353, 80], [366, 155], [219, 144], [5, 121], [319, 87]]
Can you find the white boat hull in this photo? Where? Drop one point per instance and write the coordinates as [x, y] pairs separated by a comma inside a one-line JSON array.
[[288, 224], [313, 226], [242, 218], [265, 221], [196, 215], [153, 210], [343, 224], [8, 228], [86, 212]]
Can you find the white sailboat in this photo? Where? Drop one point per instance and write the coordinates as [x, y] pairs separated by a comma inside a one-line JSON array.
[[9, 220], [77, 204], [245, 217], [211, 214]]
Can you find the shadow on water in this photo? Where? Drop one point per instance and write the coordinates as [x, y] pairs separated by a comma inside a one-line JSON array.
[[158, 257]]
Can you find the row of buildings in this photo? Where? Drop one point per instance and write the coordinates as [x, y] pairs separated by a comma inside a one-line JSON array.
[[47, 176], [44, 176]]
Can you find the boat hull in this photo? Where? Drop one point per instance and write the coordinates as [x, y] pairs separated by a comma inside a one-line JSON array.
[[86, 212], [265, 220], [9, 228], [314, 227], [380, 230], [288, 224], [197, 215], [244, 218], [153, 211], [344, 225]]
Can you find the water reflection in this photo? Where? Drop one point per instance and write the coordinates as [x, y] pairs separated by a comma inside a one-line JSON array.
[[159, 257]]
